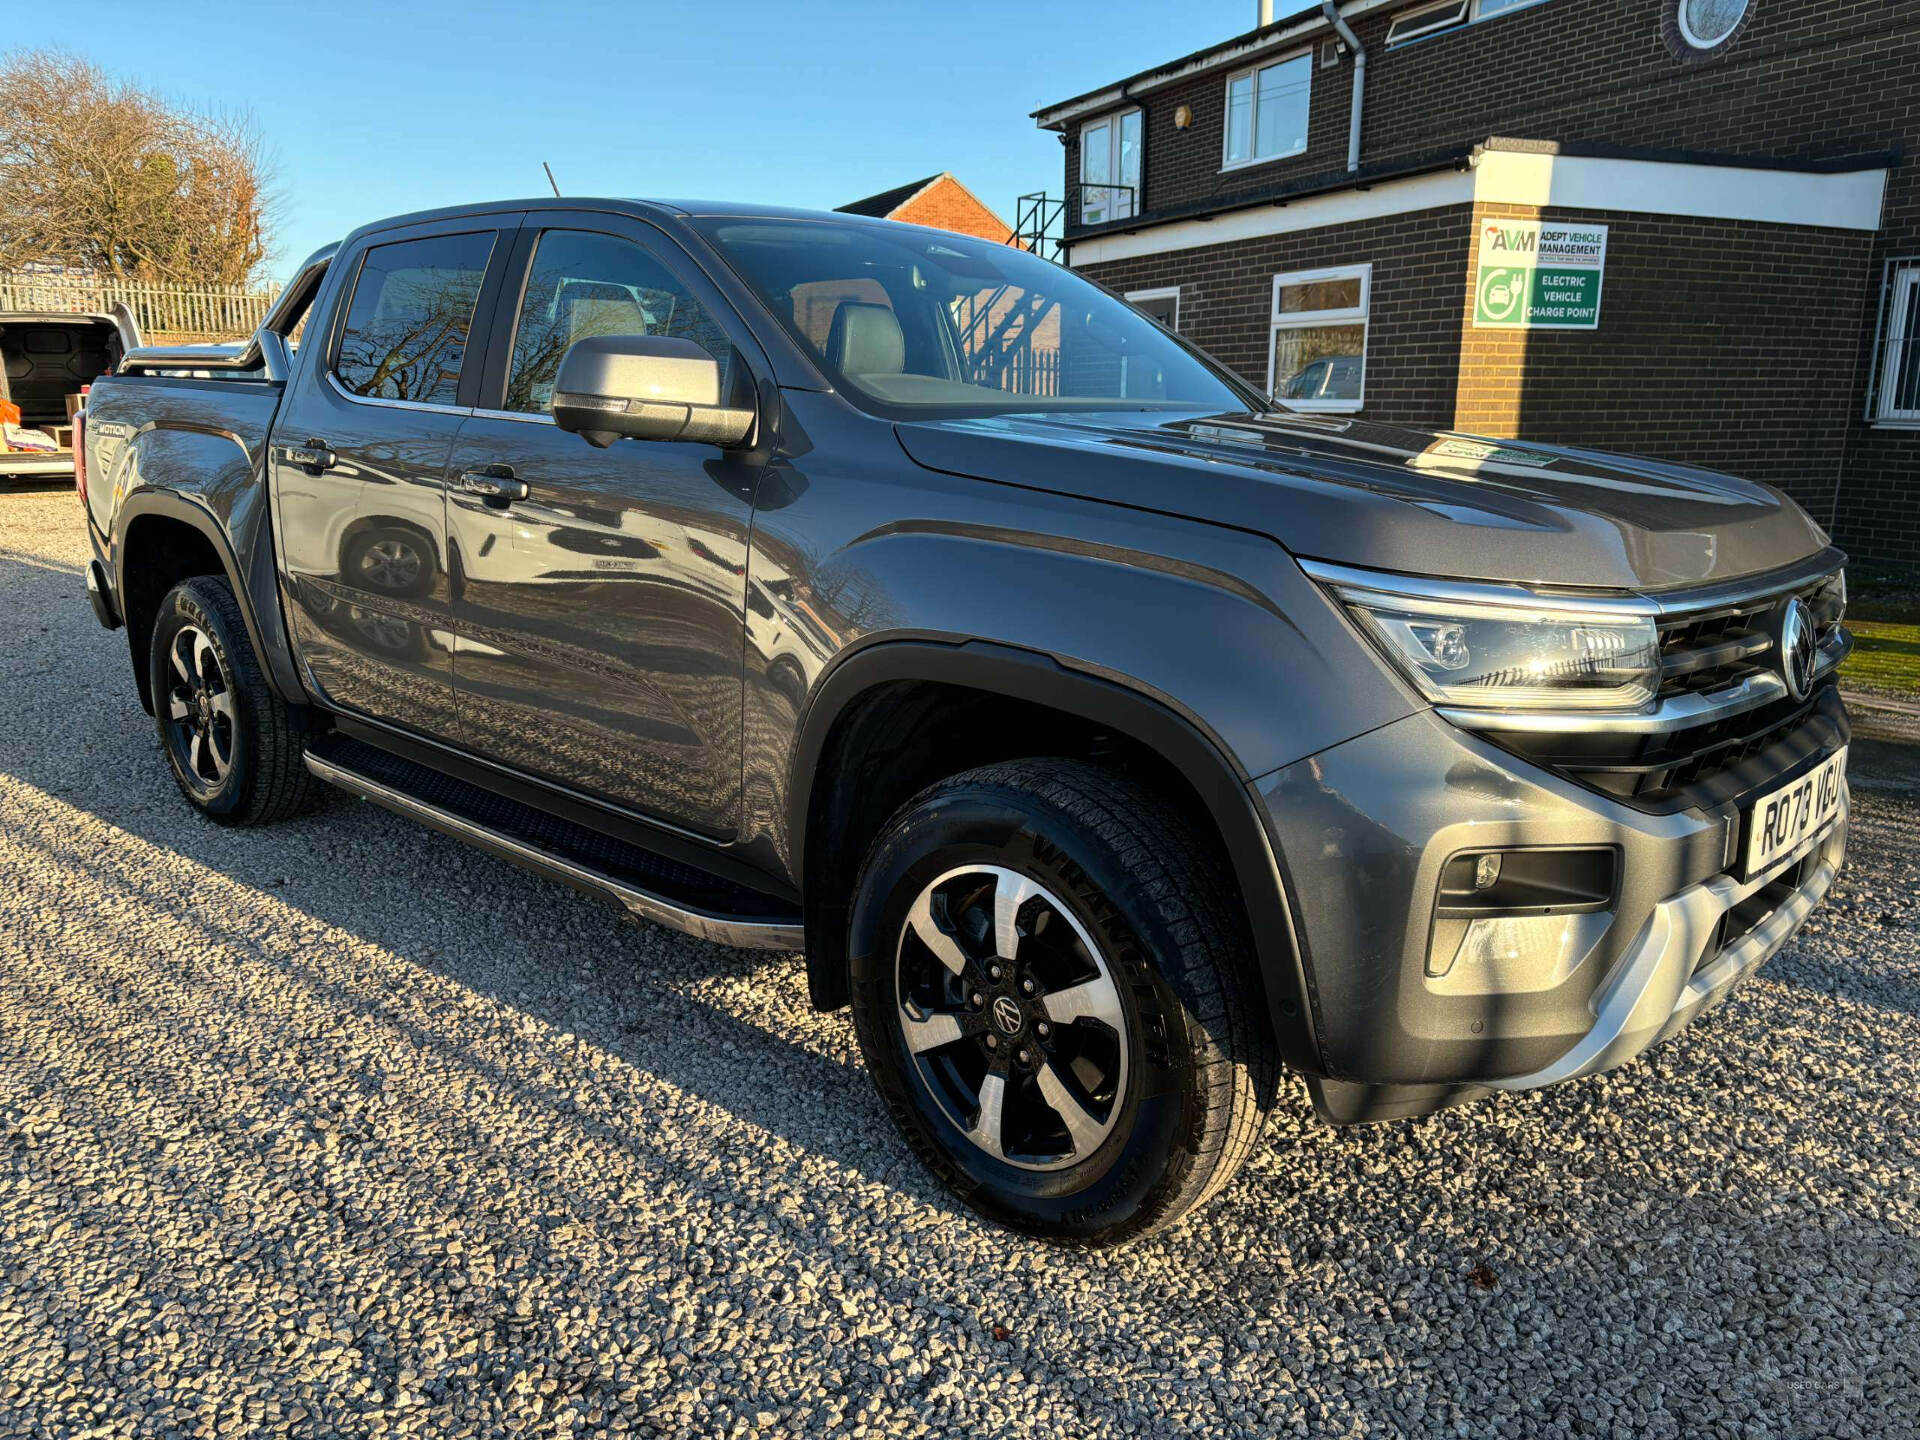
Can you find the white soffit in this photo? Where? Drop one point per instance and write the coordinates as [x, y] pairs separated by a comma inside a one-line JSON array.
[[1848, 200], [1341, 207]]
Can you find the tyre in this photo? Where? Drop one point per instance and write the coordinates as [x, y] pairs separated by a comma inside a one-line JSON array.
[[1057, 998], [236, 751]]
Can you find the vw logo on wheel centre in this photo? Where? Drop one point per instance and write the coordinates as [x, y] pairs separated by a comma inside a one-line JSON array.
[[1006, 1014]]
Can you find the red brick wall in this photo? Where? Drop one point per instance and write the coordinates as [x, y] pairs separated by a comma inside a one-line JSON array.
[[948, 205]]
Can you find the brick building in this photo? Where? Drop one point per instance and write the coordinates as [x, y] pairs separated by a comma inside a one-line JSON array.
[[940, 201], [988, 318], [1680, 227]]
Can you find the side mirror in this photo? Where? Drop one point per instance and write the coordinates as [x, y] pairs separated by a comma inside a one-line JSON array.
[[644, 387]]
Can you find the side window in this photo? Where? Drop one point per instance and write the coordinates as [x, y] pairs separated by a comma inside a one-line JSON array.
[[584, 284], [407, 324]]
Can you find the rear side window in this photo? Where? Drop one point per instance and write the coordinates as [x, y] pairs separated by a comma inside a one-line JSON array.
[[406, 332]]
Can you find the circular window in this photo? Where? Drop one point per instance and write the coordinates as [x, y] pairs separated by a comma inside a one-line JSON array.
[[1705, 24]]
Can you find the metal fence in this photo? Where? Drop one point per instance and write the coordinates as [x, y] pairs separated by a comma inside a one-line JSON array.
[[1031, 372], [209, 311]]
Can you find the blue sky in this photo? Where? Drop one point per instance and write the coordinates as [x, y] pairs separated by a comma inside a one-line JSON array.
[[376, 109]]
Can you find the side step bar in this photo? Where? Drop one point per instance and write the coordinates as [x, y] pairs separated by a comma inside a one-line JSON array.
[[745, 932]]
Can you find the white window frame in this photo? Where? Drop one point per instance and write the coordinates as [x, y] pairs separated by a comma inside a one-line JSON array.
[[1902, 291], [1119, 205], [1159, 292], [1413, 23], [1446, 15], [1480, 13], [1308, 319], [1254, 157]]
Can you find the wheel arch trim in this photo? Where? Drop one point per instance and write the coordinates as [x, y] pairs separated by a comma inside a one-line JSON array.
[[171, 505], [1147, 719]]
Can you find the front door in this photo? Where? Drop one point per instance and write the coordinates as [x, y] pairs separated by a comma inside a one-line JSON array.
[[600, 615], [359, 461]]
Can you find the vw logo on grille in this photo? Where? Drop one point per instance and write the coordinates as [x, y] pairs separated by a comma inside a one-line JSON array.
[[1798, 648], [1006, 1015]]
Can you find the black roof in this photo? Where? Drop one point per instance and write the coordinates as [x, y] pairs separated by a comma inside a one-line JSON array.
[[887, 201], [655, 209], [1203, 55]]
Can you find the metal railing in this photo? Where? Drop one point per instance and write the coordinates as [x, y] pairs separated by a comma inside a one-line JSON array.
[[1040, 218], [1036, 224], [212, 311]]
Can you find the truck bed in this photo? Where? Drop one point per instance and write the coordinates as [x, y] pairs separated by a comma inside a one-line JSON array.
[[201, 438], [35, 464]]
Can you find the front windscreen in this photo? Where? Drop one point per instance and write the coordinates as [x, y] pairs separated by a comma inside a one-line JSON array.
[[915, 323]]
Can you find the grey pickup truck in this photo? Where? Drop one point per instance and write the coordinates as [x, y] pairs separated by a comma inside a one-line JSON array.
[[1112, 740]]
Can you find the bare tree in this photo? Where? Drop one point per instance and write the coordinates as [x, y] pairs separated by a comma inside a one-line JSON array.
[[98, 173]]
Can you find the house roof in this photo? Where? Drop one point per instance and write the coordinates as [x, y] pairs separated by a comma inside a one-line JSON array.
[[1293, 24], [887, 201]]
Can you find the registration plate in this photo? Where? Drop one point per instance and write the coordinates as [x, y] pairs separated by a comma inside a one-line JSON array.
[[1779, 822]]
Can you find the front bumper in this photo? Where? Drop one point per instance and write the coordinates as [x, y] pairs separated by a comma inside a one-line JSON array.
[[1366, 828], [1680, 966]]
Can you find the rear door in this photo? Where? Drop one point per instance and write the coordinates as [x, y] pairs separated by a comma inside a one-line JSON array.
[[359, 464], [600, 615]]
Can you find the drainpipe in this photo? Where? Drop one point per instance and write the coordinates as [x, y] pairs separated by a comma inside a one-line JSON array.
[[1334, 18]]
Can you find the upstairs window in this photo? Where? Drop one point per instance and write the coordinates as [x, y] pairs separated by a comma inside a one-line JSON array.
[[1267, 111], [1895, 397], [1424, 20], [1110, 169]]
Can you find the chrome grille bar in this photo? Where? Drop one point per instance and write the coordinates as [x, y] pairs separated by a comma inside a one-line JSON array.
[[1672, 713]]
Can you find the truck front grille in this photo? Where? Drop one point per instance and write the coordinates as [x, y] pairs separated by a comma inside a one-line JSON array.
[[1736, 727], [1710, 650]]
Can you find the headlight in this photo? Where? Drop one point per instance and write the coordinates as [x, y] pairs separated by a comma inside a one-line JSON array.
[[1510, 653]]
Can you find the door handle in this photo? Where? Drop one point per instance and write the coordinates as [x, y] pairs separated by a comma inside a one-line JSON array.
[[494, 484], [312, 457]]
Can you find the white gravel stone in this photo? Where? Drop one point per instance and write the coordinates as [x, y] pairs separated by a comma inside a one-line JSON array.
[[343, 1129]]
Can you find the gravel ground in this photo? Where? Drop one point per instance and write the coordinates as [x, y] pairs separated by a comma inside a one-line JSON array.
[[342, 1129]]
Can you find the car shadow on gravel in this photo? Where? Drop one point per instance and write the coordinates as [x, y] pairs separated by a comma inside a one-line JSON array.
[[810, 1104], [643, 982], [1468, 1187]]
